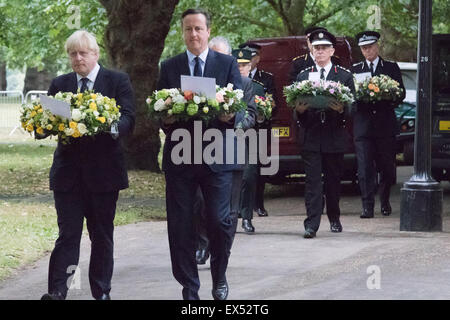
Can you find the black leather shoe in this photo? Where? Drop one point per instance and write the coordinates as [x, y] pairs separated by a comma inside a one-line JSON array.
[[261, 212], [220, 291], [104, 296], [386, 210], [201, 255], [52, 296], [309, 233], [247, 226], [366, 214], [336, 226]]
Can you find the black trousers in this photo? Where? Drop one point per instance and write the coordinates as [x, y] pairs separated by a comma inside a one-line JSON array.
[[259, 193], [99, 210], [375, 154], [181, 189], [200, 214], [331, 165], [248, 191]]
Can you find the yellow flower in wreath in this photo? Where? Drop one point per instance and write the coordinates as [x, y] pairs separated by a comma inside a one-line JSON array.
[[72, 124], [76, 133], [93, 106], [101, 119], [39, 130], [61, 127]]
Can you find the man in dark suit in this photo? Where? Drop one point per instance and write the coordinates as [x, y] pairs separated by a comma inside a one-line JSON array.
[[87, 174], [183, 180], [325, 139], [374, 130], [306, 60]]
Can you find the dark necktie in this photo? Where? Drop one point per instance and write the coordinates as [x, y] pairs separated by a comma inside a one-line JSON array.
[[371, 69], [322, 74], [197, 68], [84, 86]]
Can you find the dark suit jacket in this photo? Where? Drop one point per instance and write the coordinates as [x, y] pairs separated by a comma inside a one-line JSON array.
[[330, 136], [377, 119], [225, 70], [96, 161], [267, 80]]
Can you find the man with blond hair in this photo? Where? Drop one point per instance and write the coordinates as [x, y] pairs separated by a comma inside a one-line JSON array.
[[87, 174]]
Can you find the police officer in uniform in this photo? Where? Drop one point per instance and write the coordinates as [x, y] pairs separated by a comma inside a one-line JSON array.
[[374, 130], [267, 80], [325, 139], [306, 60], [247, 188], [264, 77]]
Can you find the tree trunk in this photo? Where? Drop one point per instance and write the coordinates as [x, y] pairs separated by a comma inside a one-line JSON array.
[[292, 14], [37, 80], [134, 40], [2, 76]]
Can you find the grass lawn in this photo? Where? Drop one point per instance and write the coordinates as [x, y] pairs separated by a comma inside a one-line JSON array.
[[28, 225]]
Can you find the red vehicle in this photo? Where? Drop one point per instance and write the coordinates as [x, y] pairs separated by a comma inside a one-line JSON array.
[[276, 57]]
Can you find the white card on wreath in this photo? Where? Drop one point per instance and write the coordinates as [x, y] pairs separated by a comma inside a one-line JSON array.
[[314, 76], [57, 107], [361, 77], [200, 85]]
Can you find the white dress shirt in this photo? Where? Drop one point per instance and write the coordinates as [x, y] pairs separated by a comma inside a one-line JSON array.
[[327, 69], [202, 58], [91, 76], [375, 63]]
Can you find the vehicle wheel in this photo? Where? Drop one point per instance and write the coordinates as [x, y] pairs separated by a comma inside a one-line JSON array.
[[408, 153]]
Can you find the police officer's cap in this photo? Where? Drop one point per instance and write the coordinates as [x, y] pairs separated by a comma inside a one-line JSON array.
[[367, 37], [312, 29], [253, 47], [322, 37], [242, 55]]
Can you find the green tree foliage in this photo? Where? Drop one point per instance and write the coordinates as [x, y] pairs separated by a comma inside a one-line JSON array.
[[33, 32]]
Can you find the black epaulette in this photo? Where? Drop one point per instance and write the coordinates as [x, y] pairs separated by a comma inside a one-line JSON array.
[[258, 82], [271, 74], [307, 69], [343, 68], [298, 57]]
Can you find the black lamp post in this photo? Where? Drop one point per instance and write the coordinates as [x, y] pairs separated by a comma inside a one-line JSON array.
[[421, 196]]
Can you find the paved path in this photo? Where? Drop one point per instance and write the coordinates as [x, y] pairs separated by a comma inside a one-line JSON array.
[[276, 262]]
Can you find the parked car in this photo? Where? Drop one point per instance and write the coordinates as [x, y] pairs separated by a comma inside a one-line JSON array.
[[440, 134], [406, 113]]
